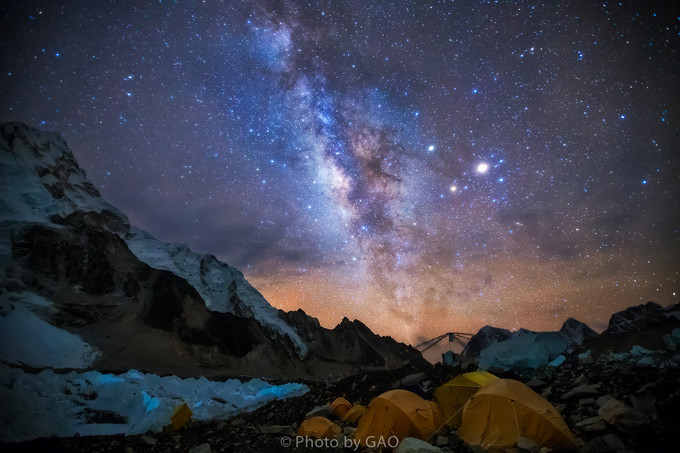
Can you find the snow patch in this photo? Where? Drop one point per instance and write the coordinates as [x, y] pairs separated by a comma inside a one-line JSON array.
[[50, 404], [27, 339]]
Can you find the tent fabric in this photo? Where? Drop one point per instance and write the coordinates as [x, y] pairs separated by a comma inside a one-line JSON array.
[[320, 428], [340, 406], [355, 412], [504, 410], [398, 413], [181, 417], [455, 393]]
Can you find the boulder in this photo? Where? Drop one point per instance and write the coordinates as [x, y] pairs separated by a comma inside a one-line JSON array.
[[586, 358], [604, 444], [645, 361], [639, 351], [442, 441], [413, 445], [278, 429], [644, 402], [668, 341], [527, 445], [536, 383], [320, 411], [591, 424], [203, 448], [675, 336], [412, 379], [582, 391], [148, 440], [622, 416], [581, 380]]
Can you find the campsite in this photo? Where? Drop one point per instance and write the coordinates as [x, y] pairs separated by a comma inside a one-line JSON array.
[[413, 226], [611, 403]]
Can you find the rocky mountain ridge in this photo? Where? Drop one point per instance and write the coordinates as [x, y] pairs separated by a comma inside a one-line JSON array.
[[143, 303]]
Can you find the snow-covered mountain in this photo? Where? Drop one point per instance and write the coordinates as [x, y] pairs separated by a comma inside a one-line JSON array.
[[502, 349], [74, 273], [639, 317]]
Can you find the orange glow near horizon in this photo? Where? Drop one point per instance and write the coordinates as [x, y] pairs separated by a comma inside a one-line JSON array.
[[529, 297]]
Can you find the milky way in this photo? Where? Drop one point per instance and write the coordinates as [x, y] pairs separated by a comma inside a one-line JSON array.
[[422, 166]]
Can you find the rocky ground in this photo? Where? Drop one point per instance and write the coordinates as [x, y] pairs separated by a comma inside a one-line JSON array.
[[611, 402]]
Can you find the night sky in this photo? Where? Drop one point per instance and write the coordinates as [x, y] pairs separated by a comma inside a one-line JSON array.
[[423, 166]]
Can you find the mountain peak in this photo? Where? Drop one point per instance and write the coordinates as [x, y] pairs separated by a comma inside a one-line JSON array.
[[141, 302]]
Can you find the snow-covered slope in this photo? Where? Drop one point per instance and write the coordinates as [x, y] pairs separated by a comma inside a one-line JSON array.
[[222, 287], [39, 177], [27, 339]]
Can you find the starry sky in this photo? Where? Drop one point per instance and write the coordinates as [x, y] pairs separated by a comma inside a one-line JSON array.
[[423, 166]]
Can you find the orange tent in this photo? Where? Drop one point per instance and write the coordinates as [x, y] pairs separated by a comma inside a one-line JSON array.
[[454, 394], [340, 406], [505, 410], [320, 428], [400, 414], [181, 417], [354, 413]]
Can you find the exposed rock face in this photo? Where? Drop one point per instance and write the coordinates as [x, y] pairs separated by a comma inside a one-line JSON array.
[[639, 317], [575, 333], [356, 342], [143, 303], [482, 339]]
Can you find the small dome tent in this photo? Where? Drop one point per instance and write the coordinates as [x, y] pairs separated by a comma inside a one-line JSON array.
[[355, 413], [454, 394], [340, 406], [398, 413], [319, 428], [504, 410]]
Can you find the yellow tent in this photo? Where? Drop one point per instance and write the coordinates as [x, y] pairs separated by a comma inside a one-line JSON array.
[[340, 406], [398, 413], [320, 428], [181, 417], [506, 409], [354, 413], [455, 393]]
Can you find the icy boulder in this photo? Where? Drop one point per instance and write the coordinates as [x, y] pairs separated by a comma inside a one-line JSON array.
[[49, 404], [524, 350]]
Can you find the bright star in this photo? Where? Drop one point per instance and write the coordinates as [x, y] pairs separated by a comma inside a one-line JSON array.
[[453, 188], [482, 168], [430, 148]]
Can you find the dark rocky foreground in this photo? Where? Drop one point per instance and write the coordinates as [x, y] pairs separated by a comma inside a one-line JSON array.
[[615, 403]]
